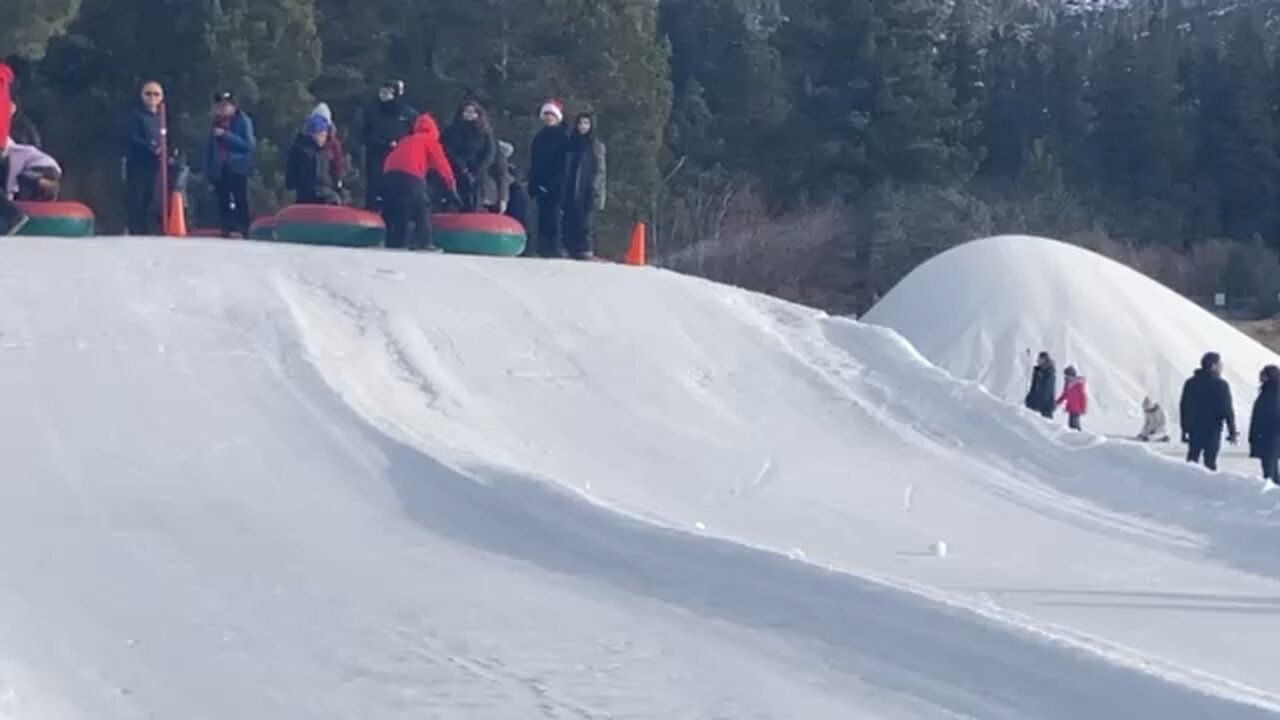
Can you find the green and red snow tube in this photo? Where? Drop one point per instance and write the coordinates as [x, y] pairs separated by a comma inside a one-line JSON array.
[[473, 234], [327, 225], [478, 234], [57, 219]]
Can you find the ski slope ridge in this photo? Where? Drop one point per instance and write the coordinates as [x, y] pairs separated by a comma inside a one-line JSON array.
[[983, 310], [303, 482]]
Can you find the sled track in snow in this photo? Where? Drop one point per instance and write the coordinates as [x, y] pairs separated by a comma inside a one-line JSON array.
[[916, 643]]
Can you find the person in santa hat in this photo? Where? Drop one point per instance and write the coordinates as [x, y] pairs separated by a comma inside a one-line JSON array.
[[546, 178]]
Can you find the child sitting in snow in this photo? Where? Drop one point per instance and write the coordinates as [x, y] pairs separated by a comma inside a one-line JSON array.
[[1154, 422], [1074, 397]]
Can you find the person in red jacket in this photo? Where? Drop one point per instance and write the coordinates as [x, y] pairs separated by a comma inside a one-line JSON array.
[[1074, 397], [406, 206], [11, 216]]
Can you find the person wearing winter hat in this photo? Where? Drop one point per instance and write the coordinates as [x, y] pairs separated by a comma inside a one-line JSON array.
[[308, 169], [517, 199], [1154, 422], [385, 122], [12, 219], [1073, 397], [1204, 408], [584, 187], [546, 173], [333, 146], [406, 208], [228, 162]]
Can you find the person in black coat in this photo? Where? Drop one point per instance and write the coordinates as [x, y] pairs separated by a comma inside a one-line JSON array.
[[1043, 395], [144, 150], [472, 149], [1264, 425], [1205, 407], [308, 171], [386, 122], [584, 186], [546, 173]]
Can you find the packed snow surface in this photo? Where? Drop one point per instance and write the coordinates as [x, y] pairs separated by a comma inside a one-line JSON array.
[[984, 310], [248, 480]]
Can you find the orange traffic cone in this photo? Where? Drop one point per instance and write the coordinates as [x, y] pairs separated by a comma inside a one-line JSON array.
[[635, 253], [176, 223]]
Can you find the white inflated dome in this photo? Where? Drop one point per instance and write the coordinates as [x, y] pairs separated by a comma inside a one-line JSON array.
[[983, 311]]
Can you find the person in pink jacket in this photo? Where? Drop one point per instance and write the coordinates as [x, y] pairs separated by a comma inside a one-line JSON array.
[[1074, 397]]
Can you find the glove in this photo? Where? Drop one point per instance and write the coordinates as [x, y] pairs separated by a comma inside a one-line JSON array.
[[1233, 438]]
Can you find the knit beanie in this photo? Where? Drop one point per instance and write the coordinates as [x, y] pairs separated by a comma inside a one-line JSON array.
[[316, 124], [554, 107], [323, 111]]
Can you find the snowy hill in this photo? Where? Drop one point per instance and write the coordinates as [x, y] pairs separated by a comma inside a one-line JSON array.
[[260, 481], [982, 311]]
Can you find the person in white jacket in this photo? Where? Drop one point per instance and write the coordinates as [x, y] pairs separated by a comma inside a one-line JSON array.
[[1154, 422], [33, 173]]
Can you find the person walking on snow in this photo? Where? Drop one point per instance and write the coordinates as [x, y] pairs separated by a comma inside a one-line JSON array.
[[1204, 408], [228, 162], [472, 150], [1154, 422], [406, 206], [309, 167], [12, 219], [1264, 425], [1074, 397], [546, 174], [387, 121], [584, 186], [1044, 386], [144, 151]]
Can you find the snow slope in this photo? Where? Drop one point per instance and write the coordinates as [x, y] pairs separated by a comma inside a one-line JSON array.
[[251, 480], [983, 310]]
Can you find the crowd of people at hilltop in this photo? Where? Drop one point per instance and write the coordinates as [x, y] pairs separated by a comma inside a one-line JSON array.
[[1205, 410], [412, 169]]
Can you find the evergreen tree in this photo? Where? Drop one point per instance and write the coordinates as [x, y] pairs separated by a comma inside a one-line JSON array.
[[1139, 147], [871, 103], [1067, 112], [1238, 136], [26, 26], [726, 83]]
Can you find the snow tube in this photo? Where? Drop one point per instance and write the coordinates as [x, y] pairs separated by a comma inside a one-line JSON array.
[[478, 234], [329, 225], [57, 219], [264, 228]]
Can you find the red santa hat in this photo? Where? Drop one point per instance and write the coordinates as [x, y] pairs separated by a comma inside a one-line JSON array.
[[555, 107]]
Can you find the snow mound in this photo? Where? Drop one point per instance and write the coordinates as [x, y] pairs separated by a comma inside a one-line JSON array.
[[984, 310], [249, 480]]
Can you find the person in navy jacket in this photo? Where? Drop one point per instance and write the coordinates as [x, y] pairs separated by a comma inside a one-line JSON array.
[[143, 153], [228, 163]]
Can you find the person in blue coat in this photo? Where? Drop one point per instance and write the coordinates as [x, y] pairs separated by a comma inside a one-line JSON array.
[[228, 163]]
